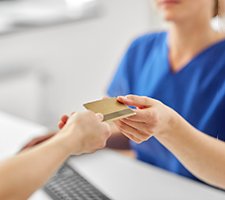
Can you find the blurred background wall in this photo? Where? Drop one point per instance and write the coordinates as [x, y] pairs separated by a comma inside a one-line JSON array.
[[48, 71]]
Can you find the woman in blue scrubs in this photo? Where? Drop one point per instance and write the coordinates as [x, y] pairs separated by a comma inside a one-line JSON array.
[[183, 68], [202, 154]]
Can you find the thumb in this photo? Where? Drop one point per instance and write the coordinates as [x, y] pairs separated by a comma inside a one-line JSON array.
[[99, 116]]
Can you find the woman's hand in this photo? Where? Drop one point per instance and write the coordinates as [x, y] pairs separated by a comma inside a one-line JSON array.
[[85, 132], [152, 118]]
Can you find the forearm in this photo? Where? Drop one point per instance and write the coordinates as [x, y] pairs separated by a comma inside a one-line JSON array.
[[21, 175], [204, 156]]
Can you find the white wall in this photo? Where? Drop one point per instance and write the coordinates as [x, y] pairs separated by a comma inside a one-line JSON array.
[[21, 94], [79, 57]]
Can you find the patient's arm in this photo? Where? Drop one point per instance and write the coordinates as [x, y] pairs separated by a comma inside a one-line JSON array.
[[24, 173], [38, 140]]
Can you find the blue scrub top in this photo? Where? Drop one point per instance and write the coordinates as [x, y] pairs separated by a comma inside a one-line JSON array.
[[196, 92]]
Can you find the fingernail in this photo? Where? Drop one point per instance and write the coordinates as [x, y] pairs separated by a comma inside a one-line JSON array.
[[100, 116], [122, 97]]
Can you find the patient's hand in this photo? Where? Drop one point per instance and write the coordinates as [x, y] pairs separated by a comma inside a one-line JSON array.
[[85, 132], [63, 121]]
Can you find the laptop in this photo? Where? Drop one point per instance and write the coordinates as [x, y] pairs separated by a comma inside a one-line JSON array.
[[68, 184]]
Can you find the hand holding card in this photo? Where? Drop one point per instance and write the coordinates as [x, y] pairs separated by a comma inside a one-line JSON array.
[[110, 108]]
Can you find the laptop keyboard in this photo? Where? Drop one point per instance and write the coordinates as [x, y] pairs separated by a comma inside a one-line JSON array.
[[68, 184]]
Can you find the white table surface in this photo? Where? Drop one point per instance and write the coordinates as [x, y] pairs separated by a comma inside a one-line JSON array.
[[15, 132], [119, 177]]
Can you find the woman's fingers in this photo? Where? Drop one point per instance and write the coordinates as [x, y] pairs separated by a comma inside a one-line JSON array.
[[142, 127], [126, 133], [131, 137], [137, 101], [147, 115], [125, 128], [140, 116]]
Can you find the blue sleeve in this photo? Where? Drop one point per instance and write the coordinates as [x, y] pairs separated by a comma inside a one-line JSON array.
[[120, 84], [123, 82]]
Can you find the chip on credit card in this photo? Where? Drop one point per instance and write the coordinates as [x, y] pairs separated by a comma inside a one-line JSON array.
[[110, 108]]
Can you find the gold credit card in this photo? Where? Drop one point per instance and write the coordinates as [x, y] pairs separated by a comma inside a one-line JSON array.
[[110, 108]]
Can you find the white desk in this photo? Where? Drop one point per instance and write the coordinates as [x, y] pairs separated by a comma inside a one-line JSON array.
[[15, 132], [118, 177]]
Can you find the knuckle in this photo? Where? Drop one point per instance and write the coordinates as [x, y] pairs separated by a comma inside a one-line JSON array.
[[156, 118], [145, 100], [138, 141], [91, 151], [158, 101], [146, 138], [120, 125], [107, 133], [148, 127], [149, 115], [101, 144], [130, 96], [87, 113]]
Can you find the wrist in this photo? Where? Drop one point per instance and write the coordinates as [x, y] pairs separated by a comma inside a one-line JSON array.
[[179, 135], [71, 142], [63, 144], [172, 127]]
